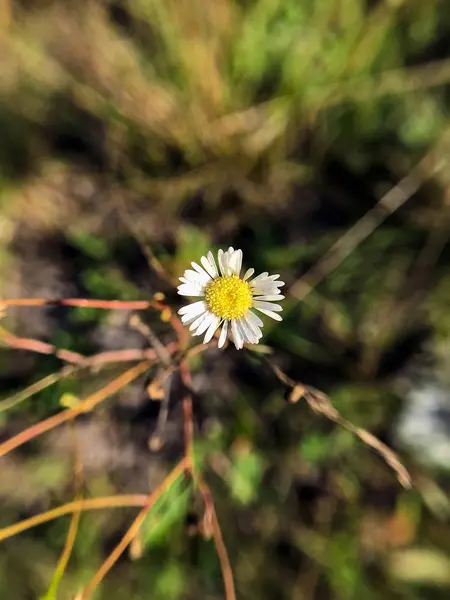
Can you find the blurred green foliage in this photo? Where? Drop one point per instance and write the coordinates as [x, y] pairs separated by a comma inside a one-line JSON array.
[[273, 125]]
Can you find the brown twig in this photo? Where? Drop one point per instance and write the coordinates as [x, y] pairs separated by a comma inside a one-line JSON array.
[[81, 302], [38, 386], [84, 406], [174, 320], [33, 345], [74, 522], [117, 356], [188, 414], [133, 530], [162, 380], [95, 361], [211, 525], [147, 332], [152, 260], [167, 315], [321, 404], [164, 383], [111, 356], [119, 501], [344, 246]]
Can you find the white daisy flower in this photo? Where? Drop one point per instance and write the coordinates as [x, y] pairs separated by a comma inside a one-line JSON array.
[[228, 298]]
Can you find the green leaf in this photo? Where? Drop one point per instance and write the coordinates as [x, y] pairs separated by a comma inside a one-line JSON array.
[[315, 448], [245, 477], [169, 511], [192, 244], [171, 581], [92, 245]]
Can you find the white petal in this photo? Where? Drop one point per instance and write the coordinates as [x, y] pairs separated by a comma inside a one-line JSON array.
[[208, 267], [196, 277], [264, 288], [265, 285], [254, 319], [213, 263], [189, 289], [247, 332], [255, 330], [226, 262], [223, 334], [271, 297], [269, 313], [235, 262], [261, 276], [267, 306], [196, 283], [248, 273], [237, 338], [211, 329], [195, 307], [198, 321], [243, 333], [240, 258], [220, 258], [210, 318], [188, 319], [273, 277], [231, 262], [192, 311], [238, 262], [201, 271]]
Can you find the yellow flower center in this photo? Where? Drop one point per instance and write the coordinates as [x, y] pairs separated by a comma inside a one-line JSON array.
[[228, 297]]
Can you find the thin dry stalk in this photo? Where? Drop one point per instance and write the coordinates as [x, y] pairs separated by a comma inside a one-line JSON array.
[[81, 302], [320, 403], [84, 406], [37, 387], [385, 207], [133, 530], [33, 345], [147, 332], [211, 525], [74, 522], [152, 260], [118, 501]]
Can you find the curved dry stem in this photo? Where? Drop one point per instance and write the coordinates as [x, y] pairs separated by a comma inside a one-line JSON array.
[[211, 525], [74, 521], [321, 404], [37, 386], [214, 527], [33, 345], [133, 530], [84, 406], [386, 206], [65, 556], [82, 302], [152, 260], [97, 360], [119, 501]]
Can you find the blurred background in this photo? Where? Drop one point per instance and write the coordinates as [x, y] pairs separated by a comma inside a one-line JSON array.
[[142, 128]]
